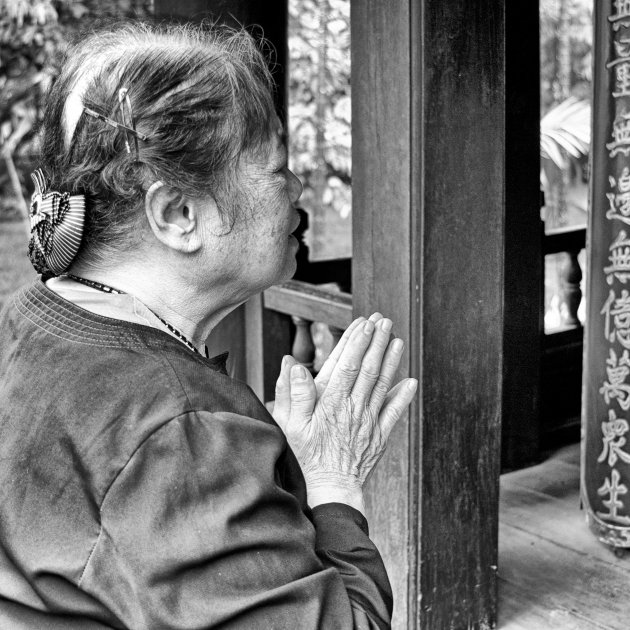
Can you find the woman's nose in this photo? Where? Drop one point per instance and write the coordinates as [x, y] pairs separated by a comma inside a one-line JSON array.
[[294, 185]]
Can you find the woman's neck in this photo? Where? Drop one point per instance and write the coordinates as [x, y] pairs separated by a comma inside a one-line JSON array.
[[176, 300]]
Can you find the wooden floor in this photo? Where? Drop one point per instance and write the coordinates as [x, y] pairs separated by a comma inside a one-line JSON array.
[[553, 573]]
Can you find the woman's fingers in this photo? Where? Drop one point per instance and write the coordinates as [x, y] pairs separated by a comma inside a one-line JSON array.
[[397, 402], [346, 370], [323, 377], [372, 363], [321, 380], [390, 364]]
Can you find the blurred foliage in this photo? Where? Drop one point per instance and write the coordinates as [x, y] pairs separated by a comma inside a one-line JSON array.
[[33, 36], [565, 132], [319, 101], [320, 119], [566, 30]]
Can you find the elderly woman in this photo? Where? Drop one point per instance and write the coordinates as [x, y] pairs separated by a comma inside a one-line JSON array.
[[141, 486]]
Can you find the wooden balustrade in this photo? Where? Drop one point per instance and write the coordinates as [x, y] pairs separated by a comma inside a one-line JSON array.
[[572, 293], [561, 360], [571, 241], [307, 303]]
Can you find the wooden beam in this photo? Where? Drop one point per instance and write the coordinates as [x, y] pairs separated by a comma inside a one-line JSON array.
[[567, 239], [311, 302], [428, 230]]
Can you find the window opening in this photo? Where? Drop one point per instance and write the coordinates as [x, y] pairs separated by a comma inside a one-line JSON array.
[[566, 30], [319, 122]]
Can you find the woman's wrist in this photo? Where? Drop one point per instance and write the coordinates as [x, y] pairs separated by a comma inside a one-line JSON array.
[[335, 488]]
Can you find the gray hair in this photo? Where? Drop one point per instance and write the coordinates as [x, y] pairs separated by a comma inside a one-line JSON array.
[[202, 95]]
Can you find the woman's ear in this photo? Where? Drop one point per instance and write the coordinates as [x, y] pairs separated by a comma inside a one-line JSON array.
[[173, 217]]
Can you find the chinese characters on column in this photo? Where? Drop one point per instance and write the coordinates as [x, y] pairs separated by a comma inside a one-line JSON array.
[[622, 15], [610, 474]]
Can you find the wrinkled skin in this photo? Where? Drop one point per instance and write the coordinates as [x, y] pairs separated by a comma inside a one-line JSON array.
[[338, 423]]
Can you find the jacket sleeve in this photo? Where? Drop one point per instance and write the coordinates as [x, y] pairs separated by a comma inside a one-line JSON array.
[[196, 533]]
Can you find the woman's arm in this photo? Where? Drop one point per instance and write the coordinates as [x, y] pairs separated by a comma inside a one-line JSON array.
[[197, 533]]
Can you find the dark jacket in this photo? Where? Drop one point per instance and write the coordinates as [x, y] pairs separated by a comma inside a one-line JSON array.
[[141, 487]]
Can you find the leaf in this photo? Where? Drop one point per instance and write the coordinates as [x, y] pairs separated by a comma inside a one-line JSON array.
[[566, 128]]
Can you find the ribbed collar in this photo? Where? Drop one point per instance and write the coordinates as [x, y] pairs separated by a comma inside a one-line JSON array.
[[49, 311]]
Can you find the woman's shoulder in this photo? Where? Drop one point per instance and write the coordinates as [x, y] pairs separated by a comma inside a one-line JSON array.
[[93, 390]]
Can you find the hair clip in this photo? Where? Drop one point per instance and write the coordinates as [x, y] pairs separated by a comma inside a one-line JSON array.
[[123, 99], [57, 221], [128, 124], [113, 123]]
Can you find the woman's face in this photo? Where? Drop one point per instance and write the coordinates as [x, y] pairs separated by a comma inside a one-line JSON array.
[[260, 249]]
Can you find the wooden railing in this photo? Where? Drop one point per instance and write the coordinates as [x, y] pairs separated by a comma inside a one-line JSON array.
[[306, 304], [561, 348], [571, 241], [561, 360]]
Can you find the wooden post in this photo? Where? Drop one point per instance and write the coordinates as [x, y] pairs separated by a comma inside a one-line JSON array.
[[255, 337], [523, 265], [428, 240], [606, 399]]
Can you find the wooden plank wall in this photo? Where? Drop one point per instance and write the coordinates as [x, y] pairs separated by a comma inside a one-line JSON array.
[[428, 201]]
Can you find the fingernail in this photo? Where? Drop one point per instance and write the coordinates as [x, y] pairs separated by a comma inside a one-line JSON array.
[[412, 385], [283, 363], [386, 325], [298, 372], [368, 327], [375, 316], [398, 345]]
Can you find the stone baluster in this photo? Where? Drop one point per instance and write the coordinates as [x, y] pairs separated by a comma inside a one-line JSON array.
[[303, 349], [572, 294]]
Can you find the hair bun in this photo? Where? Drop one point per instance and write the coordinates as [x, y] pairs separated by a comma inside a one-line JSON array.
[[57, 221]]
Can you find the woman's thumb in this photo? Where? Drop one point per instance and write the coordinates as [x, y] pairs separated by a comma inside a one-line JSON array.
[[282, 402], [303, 396]]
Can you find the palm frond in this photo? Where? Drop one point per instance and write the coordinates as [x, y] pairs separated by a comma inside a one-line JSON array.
[[566, 130]]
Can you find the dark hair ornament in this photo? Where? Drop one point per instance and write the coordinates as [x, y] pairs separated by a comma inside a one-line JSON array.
[[57, 221]]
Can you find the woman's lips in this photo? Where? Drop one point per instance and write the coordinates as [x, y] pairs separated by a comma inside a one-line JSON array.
[[297, 223]]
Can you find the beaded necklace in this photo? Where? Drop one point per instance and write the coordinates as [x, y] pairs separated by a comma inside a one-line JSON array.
[[107, 289]]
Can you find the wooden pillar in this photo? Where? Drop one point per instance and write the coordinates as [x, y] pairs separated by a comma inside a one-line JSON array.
[[428, 229], [253, 336], [606, 399], [523, 265]]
